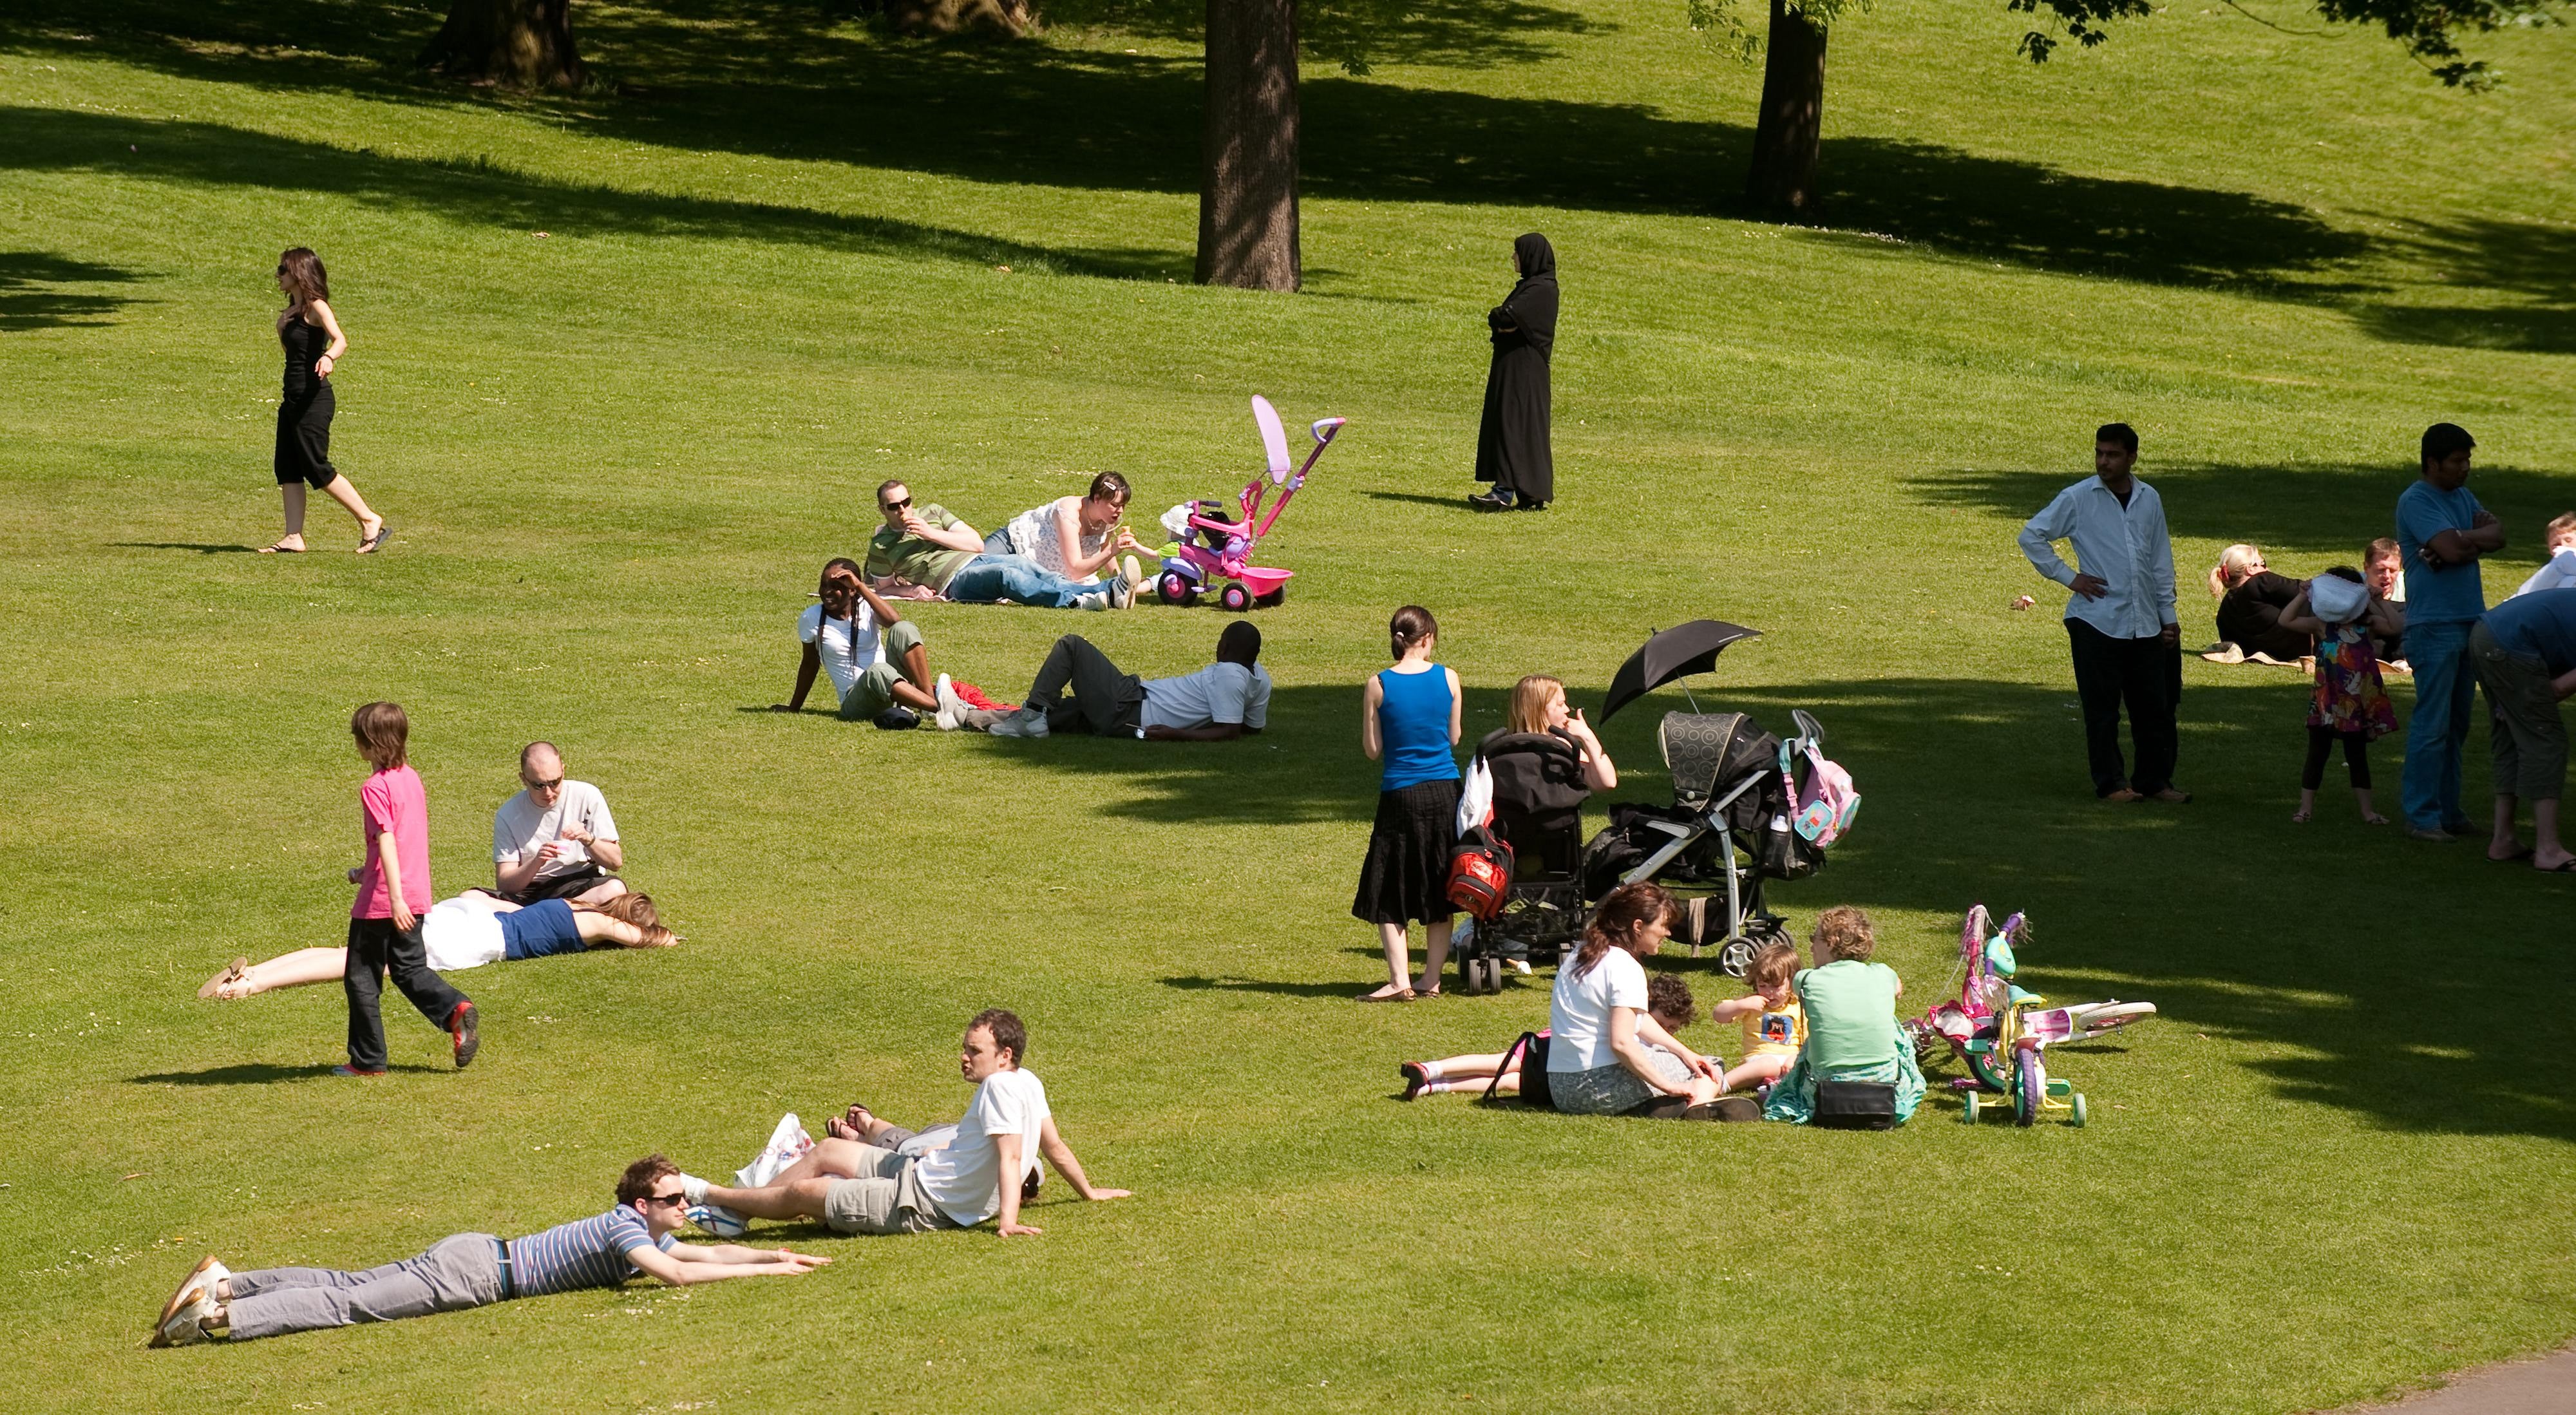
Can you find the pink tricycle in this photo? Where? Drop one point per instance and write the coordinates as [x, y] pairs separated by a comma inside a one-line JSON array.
[[1211, 550]]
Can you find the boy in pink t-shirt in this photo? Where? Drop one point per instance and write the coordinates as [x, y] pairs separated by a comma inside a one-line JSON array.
[[393, 892]]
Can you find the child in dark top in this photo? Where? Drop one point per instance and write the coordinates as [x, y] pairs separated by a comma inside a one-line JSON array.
[[393, 892], [2350, 704]]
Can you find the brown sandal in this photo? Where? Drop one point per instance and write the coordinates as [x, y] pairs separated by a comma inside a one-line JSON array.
[[233, 972]]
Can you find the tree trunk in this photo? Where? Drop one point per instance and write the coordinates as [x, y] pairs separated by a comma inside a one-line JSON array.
[[519, 43], [1248, 147], [1783, 180]]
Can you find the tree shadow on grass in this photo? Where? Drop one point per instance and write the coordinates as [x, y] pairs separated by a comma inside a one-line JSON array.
[[790, 82], [2314, 946], [2532, 265], [255, 1074], [32, 294], [484, 193], [2325, 512]]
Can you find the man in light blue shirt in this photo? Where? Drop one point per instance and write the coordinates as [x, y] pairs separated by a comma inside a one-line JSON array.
[[2120, 620], [2441, 531]]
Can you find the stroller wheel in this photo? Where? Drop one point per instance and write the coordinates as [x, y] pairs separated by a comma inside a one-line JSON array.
[[1735, 955]]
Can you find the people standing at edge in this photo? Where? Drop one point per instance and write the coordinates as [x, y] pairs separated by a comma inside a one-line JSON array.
[[2525, 654], [2441, 530], [393, 894], [2120, 620], [314, 346], [1411, 715], [1512, 448]]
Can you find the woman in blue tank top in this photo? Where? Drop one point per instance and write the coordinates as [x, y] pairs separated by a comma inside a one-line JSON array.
[[1409, 721]]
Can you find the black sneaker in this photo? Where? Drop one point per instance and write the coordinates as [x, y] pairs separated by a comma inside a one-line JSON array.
[[461, 1028]]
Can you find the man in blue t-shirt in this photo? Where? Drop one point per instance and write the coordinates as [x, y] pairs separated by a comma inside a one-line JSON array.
[[471, 1270], [2525, 652], [2441, 530]]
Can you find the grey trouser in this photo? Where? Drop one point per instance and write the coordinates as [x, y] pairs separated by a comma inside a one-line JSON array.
[[2524, 732], [1106, 702], [458, 1272], [886, 1197]]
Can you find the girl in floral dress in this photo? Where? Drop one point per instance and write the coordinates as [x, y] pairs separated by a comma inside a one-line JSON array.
[[2350, 705]]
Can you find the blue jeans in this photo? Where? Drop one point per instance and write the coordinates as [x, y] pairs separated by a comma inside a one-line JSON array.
[[2445, 691], [989, 577]]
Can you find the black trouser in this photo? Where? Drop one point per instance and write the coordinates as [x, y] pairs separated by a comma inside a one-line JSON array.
[[375, 946], [2356, 757], [2146, 676], [579, 882], [1106, 702]]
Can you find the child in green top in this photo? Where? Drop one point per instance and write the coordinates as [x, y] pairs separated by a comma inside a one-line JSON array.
[[1852, 1031]]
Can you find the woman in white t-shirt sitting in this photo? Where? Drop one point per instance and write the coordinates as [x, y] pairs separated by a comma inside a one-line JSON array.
[[472, 929], [1074, 536], [1606, 1055]]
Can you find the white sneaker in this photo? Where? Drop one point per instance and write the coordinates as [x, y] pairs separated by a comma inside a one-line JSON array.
[[1122, 595], [1132, 574], [1521, 966], [1093, 601], [1027, 722], [183, 1317], [692, 1188], [952, 708]]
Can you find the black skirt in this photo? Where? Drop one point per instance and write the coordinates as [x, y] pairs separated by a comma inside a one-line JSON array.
[[1406, 875]]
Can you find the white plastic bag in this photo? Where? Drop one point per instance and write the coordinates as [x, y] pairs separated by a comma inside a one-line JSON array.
[[1476, 797]]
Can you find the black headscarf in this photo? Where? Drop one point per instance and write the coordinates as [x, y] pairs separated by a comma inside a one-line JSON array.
[[1532, 302]]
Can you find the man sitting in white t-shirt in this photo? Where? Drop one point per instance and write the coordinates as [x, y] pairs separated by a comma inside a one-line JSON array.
[[875, 656], [859, 1188], [1219, 703], [555, 839]]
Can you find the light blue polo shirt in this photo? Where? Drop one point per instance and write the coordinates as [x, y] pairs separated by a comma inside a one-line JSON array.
[[2452, 594]]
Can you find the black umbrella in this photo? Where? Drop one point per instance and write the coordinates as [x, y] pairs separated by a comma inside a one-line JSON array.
[[1675, 653]]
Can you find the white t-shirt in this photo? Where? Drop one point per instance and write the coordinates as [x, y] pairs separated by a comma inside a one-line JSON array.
[[1033, 534], [965, 1179], [463, 932], [2558, 572], [519, 828], [1578, 1014], [848, 647], [1218, 694]]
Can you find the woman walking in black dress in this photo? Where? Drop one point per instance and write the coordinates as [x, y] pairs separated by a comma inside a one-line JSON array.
[[314, 345], [1512, 448]]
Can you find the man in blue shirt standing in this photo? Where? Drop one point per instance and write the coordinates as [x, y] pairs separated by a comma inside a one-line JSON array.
[[2120, 620], [2441, 530]]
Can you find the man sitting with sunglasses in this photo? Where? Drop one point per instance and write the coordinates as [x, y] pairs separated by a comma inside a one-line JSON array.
[[472, 1270], [555, 839], [933, 549]]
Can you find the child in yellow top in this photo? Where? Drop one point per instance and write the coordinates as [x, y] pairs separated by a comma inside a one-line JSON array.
[[1775, 1026]]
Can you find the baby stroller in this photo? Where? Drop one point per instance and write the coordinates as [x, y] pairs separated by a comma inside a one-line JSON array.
[[1539, 793], [1211, 550], [1747, 807]]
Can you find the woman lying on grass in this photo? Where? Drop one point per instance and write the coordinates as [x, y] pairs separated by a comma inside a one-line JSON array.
[[1852, 1033], [1668, 1001], [469, 931]]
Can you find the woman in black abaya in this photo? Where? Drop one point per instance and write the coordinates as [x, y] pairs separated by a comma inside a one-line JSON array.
[[1512, 442]]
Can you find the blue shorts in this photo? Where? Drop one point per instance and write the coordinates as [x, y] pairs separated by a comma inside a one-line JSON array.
[[542, 928]]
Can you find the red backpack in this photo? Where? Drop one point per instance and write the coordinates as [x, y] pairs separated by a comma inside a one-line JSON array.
[[1480, 873]]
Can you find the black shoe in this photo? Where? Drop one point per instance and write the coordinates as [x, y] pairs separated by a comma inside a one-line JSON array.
[[468, 1037], [1530, 506], [1490, 501]]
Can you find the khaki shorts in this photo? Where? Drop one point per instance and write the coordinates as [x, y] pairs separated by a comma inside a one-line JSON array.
[[887, 1197], [872, 692]]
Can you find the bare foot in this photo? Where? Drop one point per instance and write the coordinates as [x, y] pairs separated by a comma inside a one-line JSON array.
[[284, 545], [2299, 816], [2373, 818], [2123, 795], [371, 534]]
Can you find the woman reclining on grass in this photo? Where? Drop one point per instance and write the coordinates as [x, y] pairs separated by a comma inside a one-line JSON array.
[[1668, 1001], [469, 931]]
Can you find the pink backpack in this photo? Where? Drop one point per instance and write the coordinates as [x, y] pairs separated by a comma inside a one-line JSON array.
[[1827, 803]]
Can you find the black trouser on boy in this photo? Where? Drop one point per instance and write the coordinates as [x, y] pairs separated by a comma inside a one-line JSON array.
[[375, 948], [2145, 675]]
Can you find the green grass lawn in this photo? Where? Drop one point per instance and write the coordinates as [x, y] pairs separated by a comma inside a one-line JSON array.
[[770, 275]]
